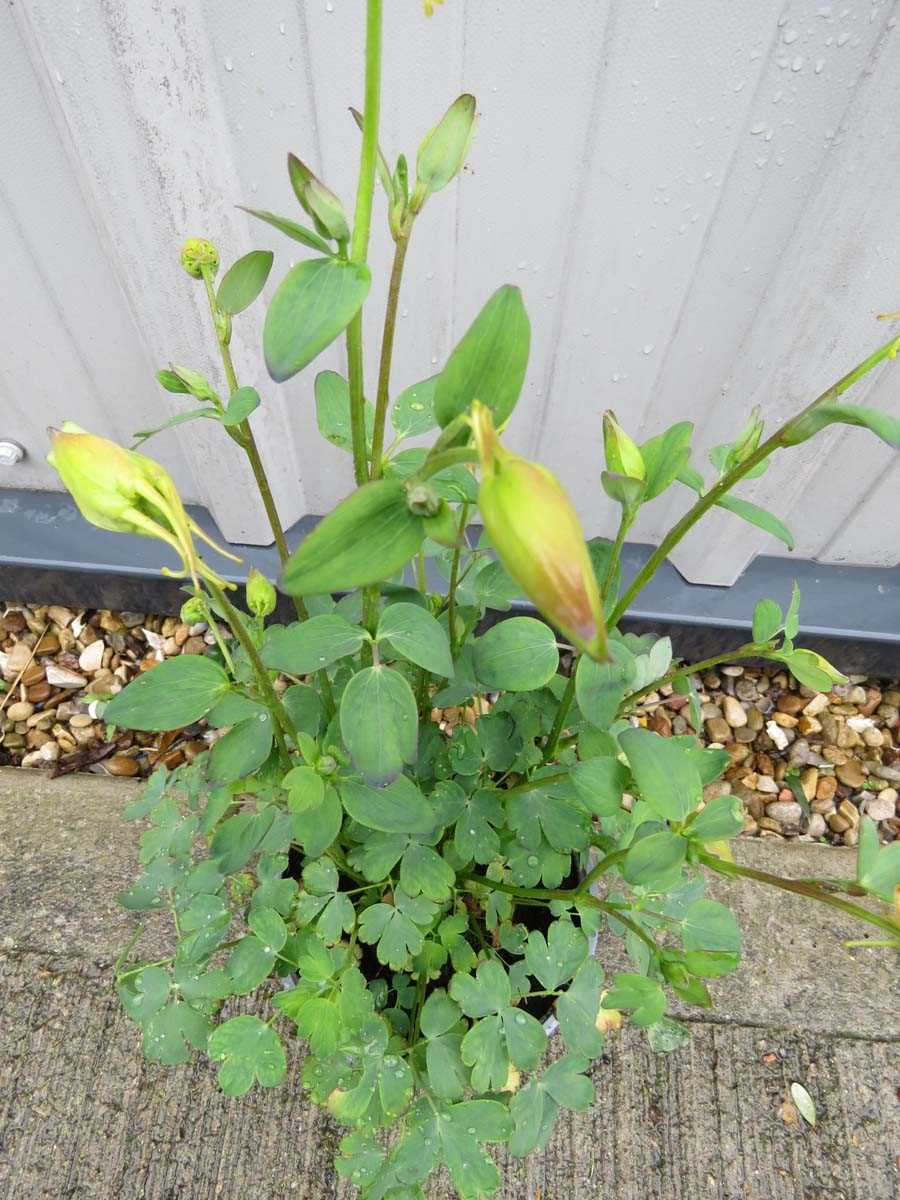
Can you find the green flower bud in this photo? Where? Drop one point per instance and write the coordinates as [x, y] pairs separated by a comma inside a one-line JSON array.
[[318, 201], [193, 610], [622, 455], [125, 492], [197, 253], [327, 765], [535, 530], [747, 440], [261, 597]]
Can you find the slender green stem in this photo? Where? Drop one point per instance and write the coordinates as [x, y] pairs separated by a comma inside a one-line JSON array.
[[362, 224], [454, 576], [446, 458], [421, 578], [778, 439], [532, 785], [800, 888], [281, 723], [559, 721], [382, 396], [748, 651], [214, 626], [624, 525], [604, 865]]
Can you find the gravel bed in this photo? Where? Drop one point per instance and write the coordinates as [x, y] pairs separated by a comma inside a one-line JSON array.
[[804, 764]]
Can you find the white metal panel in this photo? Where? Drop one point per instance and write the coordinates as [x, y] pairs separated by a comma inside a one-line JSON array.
[[700, 209]]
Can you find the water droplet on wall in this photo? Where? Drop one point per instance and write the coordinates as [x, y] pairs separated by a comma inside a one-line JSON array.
[[229, 65]]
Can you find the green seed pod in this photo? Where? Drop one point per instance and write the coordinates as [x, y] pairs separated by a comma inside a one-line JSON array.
[[422, 500], [622, 455], [197, 253], [261, 596], [535, 530], [441, 527]]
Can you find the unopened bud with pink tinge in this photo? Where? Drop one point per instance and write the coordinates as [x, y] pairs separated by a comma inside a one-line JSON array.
[[534, 528]]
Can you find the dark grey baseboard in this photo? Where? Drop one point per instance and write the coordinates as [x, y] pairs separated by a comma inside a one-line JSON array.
[[48, 554]]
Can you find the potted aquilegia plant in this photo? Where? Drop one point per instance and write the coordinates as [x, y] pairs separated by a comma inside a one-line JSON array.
[[421, 904]]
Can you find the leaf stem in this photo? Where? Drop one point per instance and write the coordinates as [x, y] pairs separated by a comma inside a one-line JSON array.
[[800, 888], [727, 482], [281, 723], [559, 721], [454, 577], [382, 396], [750, 650]]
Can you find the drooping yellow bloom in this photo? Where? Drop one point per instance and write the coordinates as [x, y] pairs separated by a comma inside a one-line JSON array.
[[125, 492], [535, 530]]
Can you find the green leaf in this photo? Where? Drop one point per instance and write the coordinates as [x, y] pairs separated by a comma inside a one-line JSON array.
[[397, 937], [666, 776], [249, 1051], [444, 148], [313, 304], [759, 517], [333, 411], [242, 750], [423, 871], [367, 538], [601, 687], [307, 646], [439, 1014], [242, 403], [169, 1032], [577, 1010], [804, 1102], [664, 457], [395, 1085], [554, 959], [484, 1050], [285, 225], [599, 784], [811, 669], [642, 997], [878, 868], [398, 808], [416, 635], [709, 925], [527, 1111], [666, 1035], [145, 994], [269, 927], [379, 723], [489, 363], [766, 620], [316, 825], [526, 1040], [304, 707], [722, 818], [175, 693], [193, 414], [655, 861], [551, 812], [517, 655], [243, 281], [485, 993], [249, 963], [882, 424], [564, 1081], [412, 412]]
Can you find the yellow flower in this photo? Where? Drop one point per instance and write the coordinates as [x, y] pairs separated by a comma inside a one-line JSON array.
[[428, 5], [535, 530], [125, 492]]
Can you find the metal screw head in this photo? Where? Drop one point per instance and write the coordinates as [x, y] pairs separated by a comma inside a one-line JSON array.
[[10, 453]]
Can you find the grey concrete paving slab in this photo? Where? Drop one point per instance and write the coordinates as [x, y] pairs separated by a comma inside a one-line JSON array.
[[82, 1115]]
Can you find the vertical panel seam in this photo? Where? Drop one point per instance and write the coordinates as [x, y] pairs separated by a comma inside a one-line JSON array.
[[576, 212]]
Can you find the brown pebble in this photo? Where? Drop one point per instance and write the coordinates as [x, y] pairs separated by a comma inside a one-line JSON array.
[[194, 645], [171, 760], [48, 644], [192, 749], [20, 711], [850, 774], [39, 692], [33, 673], [790, 703], [121, 764]]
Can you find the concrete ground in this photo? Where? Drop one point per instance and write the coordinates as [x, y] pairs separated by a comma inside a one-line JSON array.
[[84, 1116]]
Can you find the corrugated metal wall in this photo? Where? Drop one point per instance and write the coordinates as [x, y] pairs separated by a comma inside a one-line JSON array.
[[699, 200]]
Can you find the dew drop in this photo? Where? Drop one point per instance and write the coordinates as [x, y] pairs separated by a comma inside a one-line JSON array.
[[520, 1018], [790, 36], [647, 349], [471, 1129], [797, 64], [229, 64], [281, 27], [820, 66], [532, 860]]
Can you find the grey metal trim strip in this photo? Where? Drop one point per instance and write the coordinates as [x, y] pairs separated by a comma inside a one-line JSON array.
[[48, 554]]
